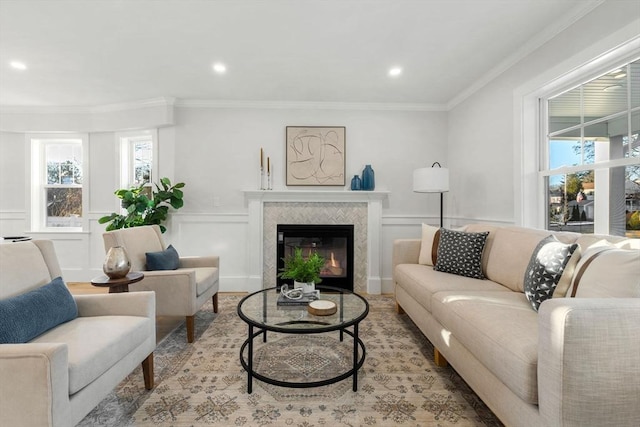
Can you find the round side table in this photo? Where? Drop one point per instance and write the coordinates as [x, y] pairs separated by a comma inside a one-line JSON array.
[[117, 285]]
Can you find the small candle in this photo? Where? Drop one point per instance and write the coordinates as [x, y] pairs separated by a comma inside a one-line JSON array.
[[268, 164], [261, 158]]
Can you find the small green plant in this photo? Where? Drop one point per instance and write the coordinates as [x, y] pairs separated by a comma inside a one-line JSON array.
[[302, 269], [144, 208]]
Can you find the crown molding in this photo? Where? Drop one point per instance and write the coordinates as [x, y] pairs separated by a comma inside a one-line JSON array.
[[542, 37], [107, 108], [309, 105]]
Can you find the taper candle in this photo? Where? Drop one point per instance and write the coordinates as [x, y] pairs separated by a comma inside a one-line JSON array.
[[268, 164], [261, 155]]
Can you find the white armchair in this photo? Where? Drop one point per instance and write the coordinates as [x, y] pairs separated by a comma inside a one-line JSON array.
[[179, 292], [58, 377]]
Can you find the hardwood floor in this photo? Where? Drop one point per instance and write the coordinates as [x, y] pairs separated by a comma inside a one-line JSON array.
[[164, 324]]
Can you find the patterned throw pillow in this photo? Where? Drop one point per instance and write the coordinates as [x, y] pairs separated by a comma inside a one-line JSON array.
[[460, 253], [545, 268]]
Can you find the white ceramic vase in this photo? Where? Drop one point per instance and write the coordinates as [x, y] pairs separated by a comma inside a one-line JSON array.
[[307, 287]]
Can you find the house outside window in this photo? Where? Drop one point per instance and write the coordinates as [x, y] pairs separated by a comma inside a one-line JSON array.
[[591, 154], [58, 199]]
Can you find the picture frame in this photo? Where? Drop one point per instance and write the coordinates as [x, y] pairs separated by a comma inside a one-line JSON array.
[[315, 155]]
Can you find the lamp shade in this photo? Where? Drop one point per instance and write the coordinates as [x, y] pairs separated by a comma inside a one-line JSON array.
[[431, 180]]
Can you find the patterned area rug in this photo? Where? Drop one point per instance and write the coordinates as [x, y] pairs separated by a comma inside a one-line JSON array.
[[204, 384]]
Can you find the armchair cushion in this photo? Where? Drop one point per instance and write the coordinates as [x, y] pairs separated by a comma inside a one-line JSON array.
[[30, 314], [97, 343], [163, 260]]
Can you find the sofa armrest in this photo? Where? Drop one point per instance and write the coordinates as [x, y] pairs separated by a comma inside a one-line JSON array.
[[122, 304], [34, 390], [199, 261], [588, 364]]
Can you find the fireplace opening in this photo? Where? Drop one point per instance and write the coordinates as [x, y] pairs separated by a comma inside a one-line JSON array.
[[334, 243]]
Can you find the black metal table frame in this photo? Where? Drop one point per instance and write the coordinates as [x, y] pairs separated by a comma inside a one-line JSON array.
[[358, 345]]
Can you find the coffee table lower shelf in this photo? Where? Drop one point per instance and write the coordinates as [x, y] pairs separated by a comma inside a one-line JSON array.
[[359, 354]]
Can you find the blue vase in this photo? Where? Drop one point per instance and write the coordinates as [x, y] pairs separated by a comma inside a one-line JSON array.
[[356, 183], [368, 179]]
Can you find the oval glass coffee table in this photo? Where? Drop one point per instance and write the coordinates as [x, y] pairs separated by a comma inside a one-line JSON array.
[[261, 313]]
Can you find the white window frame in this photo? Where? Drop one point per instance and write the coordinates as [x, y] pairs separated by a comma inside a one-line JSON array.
[[36, 179], [601, 168], [530, 156], [124, 152]]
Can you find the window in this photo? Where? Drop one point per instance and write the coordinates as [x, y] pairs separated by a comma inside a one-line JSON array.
[[591, 154], [138, 158], [58, 187]]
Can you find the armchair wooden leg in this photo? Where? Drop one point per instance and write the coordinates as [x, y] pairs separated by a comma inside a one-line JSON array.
[[147, 371], [215, 302], [191, 327], [399, 309]]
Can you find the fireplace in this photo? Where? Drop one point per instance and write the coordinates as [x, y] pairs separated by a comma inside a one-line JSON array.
[[332, 242]]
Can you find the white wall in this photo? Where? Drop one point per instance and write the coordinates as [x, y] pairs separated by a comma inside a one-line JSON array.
[[482, 138], [215, 151]]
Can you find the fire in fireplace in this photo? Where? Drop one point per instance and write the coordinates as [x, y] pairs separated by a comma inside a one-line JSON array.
[[332, 242]]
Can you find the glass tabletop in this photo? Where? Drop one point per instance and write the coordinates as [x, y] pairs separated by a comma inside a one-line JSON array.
[[261, 309]]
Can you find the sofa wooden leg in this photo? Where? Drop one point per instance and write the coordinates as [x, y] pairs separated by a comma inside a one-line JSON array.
[[191, 327], [215, 302], [399, 309], [439, 359], [147, 371]]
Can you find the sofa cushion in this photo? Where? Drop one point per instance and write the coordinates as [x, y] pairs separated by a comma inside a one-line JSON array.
[[163, 260], [26, 316], [429, 245], [500, 330], [421, 282], [608, 273], [545, 268], [97, 343], [22, 268], [460, 253], [511, 251]]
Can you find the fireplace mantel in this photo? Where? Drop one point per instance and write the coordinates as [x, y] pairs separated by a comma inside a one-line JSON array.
[[315, 196], [373, 200]]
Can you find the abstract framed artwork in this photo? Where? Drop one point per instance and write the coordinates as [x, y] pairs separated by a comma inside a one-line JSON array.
[[315, 155]]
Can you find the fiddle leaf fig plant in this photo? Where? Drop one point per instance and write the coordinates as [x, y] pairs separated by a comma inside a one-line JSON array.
[[144, 208], [301, 269]]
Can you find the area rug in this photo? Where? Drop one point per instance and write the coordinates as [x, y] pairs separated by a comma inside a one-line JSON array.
[[204, 384]]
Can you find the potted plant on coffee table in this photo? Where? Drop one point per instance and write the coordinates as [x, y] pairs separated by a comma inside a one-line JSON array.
[[305, 271]]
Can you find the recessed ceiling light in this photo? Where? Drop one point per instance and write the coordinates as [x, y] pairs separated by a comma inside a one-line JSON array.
[[219, 68], [18, 65], [395, 72]]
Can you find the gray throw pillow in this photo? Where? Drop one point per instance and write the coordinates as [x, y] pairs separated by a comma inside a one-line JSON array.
[[163, 260], [460, 253], [545, 268]]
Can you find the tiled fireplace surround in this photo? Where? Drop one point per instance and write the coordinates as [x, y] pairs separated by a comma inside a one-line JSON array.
[[363, 209]]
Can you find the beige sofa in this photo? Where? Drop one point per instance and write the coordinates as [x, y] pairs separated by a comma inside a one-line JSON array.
[[58, 377], [575, 362]]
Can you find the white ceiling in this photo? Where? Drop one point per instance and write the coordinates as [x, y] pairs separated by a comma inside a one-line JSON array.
[[99, 52]]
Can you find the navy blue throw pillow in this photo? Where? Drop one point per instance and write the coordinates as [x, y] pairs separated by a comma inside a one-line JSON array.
[[26, 316], [163, 260]]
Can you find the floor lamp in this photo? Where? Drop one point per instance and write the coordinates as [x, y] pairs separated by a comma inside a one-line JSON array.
[[432, 180]]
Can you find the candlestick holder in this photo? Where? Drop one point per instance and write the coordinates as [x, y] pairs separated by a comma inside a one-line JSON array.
[[269, 181], [261, 179]]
